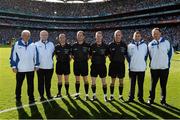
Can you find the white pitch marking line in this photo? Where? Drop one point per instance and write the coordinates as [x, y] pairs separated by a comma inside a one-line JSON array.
[[29, 105]]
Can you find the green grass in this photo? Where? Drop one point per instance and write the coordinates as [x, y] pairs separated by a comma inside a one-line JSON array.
[[69, 108]]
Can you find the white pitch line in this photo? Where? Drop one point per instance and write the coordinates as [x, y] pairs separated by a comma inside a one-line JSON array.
[[29, 105]]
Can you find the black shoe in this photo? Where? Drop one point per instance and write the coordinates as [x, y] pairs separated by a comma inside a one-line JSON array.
[[42, 99], [86, 98], [94, 98], [121, 98], [58, 96], [163, 103], [105, 99], [150, 102], [141, 100], [111, 98], [49, 97], [76, 97]]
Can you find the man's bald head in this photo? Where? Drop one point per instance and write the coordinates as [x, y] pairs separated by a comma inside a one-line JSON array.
[[44, 35], [62, 38], [80, 36], [117, 36], [25, 35]]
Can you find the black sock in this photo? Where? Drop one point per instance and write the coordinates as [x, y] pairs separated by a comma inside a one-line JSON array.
[[105, 89], [59, 88], [86, 87], [67, 88], [93, 87], [77, 87], [120, 90], [112, 89]]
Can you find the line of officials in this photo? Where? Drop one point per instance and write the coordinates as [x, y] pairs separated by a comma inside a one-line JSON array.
[[27, 57]]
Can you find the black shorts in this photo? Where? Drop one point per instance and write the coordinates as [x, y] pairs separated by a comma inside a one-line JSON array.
[[80, 68], [62, 68], [98, 69], [117, 70]]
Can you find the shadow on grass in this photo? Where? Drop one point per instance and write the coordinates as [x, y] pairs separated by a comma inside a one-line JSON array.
[[129, 108], [103, 113], [35, 114], [170, 108], [153, 109], [146, 114], [94, 112], [71, 109], [81, 113], [52, 110], [124, 115], [21, 112]]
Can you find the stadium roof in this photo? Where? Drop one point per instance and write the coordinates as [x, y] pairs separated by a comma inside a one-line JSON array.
[[74, 1]]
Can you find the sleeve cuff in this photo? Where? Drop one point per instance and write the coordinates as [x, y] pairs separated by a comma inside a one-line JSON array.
[[13, 66]]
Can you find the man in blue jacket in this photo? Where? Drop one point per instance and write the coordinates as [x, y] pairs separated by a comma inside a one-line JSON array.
[[24, 61], [137, 53], [160, 52], [45, 50]]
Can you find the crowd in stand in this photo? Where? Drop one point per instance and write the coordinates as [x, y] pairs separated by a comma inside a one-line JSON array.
[[79, 10], [171, 33], [87, 9], [121, 23]]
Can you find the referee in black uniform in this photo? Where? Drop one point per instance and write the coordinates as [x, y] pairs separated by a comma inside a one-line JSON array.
[[80, 54], [63, 56], [117, 54], [98, 53]]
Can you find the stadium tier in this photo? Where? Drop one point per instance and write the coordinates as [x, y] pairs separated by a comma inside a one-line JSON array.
[[78, 10], [107, 16]]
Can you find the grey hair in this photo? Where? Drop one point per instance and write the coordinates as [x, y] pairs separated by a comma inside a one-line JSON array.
[[25, 31]]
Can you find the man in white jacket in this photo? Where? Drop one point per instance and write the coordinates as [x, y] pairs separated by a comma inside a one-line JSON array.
[[160, 52], [137, 54], [45, 51], [24, 61]]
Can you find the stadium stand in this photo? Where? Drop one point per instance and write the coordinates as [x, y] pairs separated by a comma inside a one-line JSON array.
[[128, 15]]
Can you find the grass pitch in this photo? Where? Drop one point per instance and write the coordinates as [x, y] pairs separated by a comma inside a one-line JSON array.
[[69, 108]]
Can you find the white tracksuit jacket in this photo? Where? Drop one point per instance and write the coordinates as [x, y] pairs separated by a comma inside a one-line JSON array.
[[24, 57], [137, 56], [45, 52], [160, 54]]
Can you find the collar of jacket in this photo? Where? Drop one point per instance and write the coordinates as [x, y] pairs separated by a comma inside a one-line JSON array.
[[20, 42], [45, 41], [140, 42], [155, 42]]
